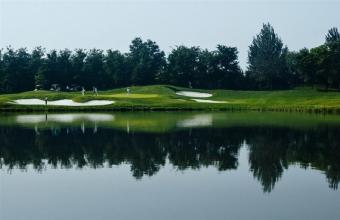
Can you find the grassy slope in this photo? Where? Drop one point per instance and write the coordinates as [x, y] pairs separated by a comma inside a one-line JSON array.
[[159, 97]]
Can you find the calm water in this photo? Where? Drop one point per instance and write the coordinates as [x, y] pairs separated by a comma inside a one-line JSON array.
[[169, 166]]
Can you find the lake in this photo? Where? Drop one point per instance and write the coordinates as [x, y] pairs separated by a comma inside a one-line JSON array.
[[169, 165]]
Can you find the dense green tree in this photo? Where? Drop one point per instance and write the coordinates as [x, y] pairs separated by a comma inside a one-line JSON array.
[[77, 62], [293, 68], [271, 66], [117, 68], [50, 68], [36, 62], [25, 77], [227, 73], [319, 66], [147, 61], [203, 77], [267, 60], [306, 67], [2, 73], [64, 66], [334, 63], [16, 66], [183, 65], [40, 79], [94, 74], [203, 68], [320, 56], [9, 68]]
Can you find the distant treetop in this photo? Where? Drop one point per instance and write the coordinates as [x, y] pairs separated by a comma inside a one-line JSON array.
[[332, 35]]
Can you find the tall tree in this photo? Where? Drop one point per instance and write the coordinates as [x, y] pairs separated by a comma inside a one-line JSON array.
[[116, 67], [16, 67], [78, 62], [94, 74], [227, 72], [2, 75], [320, 57], [320, 66], [36, 63], [292, 64], [267, 60], [147, 61], [183, 65], [51, 68], [306, 67], [64, 66], [203, 76], [334, 62], [332, 35]]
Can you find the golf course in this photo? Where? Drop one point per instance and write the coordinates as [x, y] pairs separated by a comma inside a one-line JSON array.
[[171, 98]]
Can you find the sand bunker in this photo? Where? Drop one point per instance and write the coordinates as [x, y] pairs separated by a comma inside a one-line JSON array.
[[208, 101], [194, 94], [62, 102]]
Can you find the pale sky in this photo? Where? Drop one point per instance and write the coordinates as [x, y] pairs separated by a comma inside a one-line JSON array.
[[58, 24]]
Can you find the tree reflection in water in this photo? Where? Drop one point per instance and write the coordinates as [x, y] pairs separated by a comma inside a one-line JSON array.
[[271, 149]]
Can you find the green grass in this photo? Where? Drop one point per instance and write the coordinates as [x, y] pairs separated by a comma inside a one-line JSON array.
[[162, 97]]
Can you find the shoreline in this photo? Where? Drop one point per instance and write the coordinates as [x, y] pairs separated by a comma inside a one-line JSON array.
[[313, 110]]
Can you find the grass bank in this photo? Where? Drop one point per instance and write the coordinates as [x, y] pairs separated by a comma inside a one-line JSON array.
[[162, 97]]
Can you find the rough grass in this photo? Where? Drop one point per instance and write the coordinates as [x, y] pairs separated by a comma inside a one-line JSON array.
[[163, 97]]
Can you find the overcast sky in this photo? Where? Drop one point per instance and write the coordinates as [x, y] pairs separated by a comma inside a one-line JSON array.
[[58, 24]]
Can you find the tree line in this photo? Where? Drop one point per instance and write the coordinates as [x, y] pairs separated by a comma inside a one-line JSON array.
[[270, 66]]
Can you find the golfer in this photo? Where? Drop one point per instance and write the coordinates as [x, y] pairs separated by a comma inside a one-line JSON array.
[[95, 91]]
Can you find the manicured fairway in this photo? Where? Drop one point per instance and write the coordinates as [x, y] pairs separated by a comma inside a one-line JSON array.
[[131, 96], [163, 97]]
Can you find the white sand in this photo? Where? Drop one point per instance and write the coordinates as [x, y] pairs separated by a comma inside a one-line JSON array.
[[201, 120], [64, 118], [62, 102], [208, 101], [194, 94]]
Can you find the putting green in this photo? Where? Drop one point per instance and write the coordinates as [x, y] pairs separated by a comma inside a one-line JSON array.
[[132, 96]]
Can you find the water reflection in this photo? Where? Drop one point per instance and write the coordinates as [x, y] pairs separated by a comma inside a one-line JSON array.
[[199, 120], [63, 118], [186, 141]]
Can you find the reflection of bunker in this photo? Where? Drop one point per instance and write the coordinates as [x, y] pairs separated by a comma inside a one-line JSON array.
[[52, 121], [201, 120], [64, 118]]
